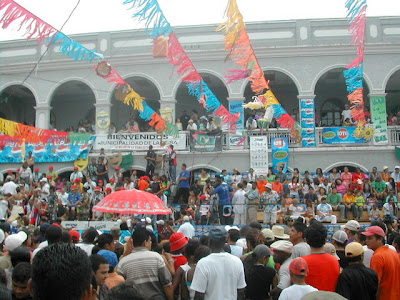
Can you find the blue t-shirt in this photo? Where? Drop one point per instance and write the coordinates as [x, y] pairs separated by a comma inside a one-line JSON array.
[[184, 183], [223, 193]]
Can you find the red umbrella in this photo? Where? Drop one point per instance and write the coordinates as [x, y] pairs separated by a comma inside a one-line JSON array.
[[132, 202]]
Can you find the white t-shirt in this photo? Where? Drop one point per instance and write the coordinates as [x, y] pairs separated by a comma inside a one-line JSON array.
[[346, 114], [210, 276], [284, 274], [187, 229], [86, 247], [296, 292]]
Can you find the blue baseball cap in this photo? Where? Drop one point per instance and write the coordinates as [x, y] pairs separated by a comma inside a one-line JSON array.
[[110, 256]]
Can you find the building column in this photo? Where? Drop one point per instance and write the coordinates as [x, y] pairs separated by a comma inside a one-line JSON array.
[[378, 117], [307, 120], [103, 116], [236, 106], [42, 116], [168, 109]]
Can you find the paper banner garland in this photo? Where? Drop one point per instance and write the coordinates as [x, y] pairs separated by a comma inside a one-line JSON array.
[[161, 31], [240, 50], [48, 35], [356, 12]]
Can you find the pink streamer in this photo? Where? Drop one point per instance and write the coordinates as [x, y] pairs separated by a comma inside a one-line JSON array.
[[237, 74], [114, 77], [36, 28]]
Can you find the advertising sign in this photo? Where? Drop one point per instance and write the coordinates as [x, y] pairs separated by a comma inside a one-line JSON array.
[[139, 141], [378, 117], [280, 153], [207, 142], [259, 154], [340, 135], [307, 114], [236, 107]]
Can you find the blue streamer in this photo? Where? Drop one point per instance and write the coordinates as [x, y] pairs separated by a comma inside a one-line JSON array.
[[354, 8], [73, 49], [354, 78], [147, 112], [150, 12], [279, 111]]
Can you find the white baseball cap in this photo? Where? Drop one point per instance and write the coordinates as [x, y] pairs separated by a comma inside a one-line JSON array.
[[15, 240], [284, 246]]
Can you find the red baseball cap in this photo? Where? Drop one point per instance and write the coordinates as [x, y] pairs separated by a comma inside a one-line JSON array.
[[101, 181], [9, 172], [77, 180], [299, 266], [76, 168], [75, 236], [36, 170], [74, 187], [117, 168], [97, 188], [49, 176], [108, 189], [203, 197], [56, 224], [112, 179], [51, 167], [374, 230]]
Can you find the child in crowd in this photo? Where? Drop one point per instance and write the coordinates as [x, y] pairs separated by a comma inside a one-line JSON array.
[[360, 201], [374, 213]]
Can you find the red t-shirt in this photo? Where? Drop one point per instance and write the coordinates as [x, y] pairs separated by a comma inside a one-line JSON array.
[[179, 260], [386, 263], [324, 271]]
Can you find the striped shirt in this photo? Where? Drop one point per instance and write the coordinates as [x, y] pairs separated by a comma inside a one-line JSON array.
[[148, 270]]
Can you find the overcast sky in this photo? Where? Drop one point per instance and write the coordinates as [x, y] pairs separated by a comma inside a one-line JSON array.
[[111, 15]]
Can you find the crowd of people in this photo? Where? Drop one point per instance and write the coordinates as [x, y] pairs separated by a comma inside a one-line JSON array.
[[290, 262], [225, 198]]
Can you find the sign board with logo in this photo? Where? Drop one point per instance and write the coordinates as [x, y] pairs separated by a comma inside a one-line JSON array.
[[378, 117], [207, 142], [307, 114], [259, 154], [103, 120], [139, 141], [340, 135], [280, 153], [237, 107], [236, 141]]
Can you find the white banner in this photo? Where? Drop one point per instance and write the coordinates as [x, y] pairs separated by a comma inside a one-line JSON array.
[[82, 225], [259, 154], [139, 141]]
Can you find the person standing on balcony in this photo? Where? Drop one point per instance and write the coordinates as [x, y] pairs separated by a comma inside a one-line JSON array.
[[346, 113], [151, 157], [172, 163]]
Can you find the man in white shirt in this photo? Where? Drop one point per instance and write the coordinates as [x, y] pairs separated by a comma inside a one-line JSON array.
[[186, 228], [219, 275], [346, 113], [45, 187], [251, 124], [10, 187], [75, 174], [191, 126], [63, 197], [239, 205], [300, 248], [90, 185], [298, 273], [396, 175], [282, 255]]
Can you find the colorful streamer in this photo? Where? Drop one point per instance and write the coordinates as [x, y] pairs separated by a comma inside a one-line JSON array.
[[157, 26], [355, 70], [48, 35], [241, 51]]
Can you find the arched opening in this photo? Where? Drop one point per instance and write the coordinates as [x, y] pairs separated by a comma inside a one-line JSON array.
[[331, 96], [188, 103], [393, 94], [17, 103], [122, 114], [283, 87], [73, 107]]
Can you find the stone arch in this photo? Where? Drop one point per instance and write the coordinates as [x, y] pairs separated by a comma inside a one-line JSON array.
[[332, 67], [284, 86], [17, 103], [71, 101], [392, 90], [203, 166], [146, 87], [388, 75], [281, 70], [330, 90], [187, 102], [345, 164]]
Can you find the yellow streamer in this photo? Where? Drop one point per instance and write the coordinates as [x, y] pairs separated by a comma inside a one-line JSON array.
[[8, 127], [270, 99], [134, 99]]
